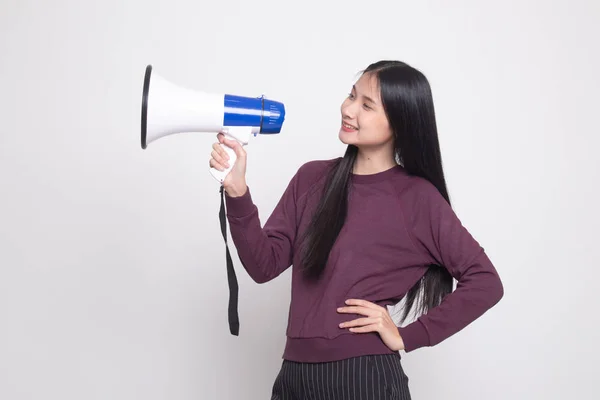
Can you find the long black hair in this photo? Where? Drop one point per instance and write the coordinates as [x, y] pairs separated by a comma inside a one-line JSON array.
[[408, 103]]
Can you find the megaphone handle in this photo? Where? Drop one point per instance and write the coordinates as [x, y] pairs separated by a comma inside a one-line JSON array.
[[220, 175]]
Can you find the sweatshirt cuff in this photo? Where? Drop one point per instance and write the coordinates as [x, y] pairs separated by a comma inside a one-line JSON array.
[[414, 336], [240, 206]]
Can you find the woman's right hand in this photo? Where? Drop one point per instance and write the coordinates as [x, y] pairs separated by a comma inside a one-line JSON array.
[[235, 181]]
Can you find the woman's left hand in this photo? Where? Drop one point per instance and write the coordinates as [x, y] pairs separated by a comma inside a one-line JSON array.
[[377, 319]]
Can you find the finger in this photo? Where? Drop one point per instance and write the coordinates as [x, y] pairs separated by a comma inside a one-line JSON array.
[[364, 303], [214, 164], [369, 312], [239, 151], [230, 142], [220, 150], [361, 322], [236, 146], [365, 329], [220, 137], [217, 157]]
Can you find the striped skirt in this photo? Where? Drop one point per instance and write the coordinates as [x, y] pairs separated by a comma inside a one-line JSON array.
[[369, 377]]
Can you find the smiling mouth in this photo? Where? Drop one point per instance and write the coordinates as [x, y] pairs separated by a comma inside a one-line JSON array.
[[348, 126]]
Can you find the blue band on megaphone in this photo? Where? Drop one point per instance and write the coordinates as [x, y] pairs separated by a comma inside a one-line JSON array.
[[242, 111], [259, 112]]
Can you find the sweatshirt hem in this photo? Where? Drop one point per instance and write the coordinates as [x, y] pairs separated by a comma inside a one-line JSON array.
[[320, 349]]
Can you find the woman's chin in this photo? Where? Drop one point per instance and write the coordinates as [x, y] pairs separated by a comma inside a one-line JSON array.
[[346, 137]]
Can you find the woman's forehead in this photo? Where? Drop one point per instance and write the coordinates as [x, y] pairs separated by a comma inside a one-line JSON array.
[[368, 85]]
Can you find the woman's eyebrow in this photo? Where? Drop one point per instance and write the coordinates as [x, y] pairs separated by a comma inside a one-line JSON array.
[[366, 97]]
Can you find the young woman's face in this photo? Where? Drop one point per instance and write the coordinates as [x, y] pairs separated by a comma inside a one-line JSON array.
[[364, 123]]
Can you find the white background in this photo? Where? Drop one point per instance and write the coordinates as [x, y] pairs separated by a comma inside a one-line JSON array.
[[112, 264]]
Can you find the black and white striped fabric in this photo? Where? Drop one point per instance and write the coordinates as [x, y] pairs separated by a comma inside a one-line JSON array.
[[372, 377]]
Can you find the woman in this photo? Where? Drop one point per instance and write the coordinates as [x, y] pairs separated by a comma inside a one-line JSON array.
[[362, 232]]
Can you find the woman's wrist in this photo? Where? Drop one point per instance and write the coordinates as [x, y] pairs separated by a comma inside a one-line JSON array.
[[237, 191]]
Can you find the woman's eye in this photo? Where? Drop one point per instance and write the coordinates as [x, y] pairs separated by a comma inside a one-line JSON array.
[[367, 107]]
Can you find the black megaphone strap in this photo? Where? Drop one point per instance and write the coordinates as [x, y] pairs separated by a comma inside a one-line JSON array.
[[234, 322]]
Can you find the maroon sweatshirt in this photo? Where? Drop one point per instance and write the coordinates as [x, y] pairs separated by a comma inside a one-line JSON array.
[[397, 225]]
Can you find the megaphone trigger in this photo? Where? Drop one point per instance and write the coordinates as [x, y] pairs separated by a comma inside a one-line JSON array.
[[240, 134]]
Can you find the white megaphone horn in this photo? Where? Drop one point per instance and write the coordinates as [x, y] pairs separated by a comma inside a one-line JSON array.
[[169, 109]]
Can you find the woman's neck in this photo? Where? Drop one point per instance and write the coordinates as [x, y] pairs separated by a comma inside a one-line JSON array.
[[373, 161]]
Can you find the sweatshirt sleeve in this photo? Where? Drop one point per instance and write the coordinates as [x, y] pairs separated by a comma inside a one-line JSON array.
[[439, 233], [268, 251]]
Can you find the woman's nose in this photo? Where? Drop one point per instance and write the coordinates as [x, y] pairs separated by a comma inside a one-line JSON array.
[[348, 111]]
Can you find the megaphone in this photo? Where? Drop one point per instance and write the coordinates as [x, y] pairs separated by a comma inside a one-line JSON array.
[[168, 108]]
